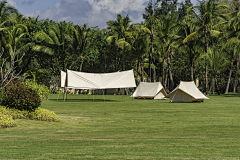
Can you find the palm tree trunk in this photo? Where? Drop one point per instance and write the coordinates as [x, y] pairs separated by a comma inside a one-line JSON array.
[[81, 64], [123, 60], [166, 78], [194, 72], [154, 71], [138, 62], [206, 76], [170, 74], [213, 82], [229, 77], [150, 59], [142, 69], [236, 75], [214, 75], [116, 61], [163, 70], [191, 63]]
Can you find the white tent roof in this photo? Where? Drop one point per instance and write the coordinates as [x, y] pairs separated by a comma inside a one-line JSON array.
[[149, 90], [62, 79], [190, 89], [84, 80]]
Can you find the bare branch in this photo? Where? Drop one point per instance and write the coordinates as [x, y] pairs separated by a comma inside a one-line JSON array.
[[9, 74]]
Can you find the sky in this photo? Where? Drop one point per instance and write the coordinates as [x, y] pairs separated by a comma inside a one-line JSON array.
[[91, 12]]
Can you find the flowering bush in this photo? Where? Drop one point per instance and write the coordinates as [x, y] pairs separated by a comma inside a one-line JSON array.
[[43, 115], [8, 115], [42, 90], [21, 97], [6, 119]]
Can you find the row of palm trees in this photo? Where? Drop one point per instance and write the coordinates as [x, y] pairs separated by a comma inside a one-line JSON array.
[[208, 33], [168, 46]]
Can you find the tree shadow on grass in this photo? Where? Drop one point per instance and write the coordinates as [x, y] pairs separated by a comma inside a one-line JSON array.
[[226, 95], [231, 95], [84, 100]]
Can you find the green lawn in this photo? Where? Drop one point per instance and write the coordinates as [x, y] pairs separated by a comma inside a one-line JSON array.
[[138, 129]]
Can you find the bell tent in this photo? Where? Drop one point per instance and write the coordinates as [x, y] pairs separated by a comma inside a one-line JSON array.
[[186, 92], [149, 90]]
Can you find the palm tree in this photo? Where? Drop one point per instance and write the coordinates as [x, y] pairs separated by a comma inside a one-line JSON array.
[[168, 38], [81, 34], [150, 23], [186, 28], [58, 41], [233, 43], [120, 34], [217, 61], [7, 14], [208, 19], [140, 43]]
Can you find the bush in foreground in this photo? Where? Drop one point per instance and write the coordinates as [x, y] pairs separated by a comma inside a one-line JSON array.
[[8, 115], [43, 115], [6, 119], [43, 91], [20, 97]]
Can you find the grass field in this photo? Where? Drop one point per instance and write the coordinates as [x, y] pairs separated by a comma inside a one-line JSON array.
[[138, 129]]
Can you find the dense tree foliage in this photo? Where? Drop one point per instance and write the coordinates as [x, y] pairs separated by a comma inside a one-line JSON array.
[[176, 41]]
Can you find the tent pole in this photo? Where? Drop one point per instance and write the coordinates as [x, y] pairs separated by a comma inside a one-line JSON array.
[[103, 95], [65, 96], [63, 92], [132, 96], [122, 93], [58, 96]]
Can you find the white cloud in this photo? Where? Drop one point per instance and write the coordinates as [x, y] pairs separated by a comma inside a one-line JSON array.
[[93, 12], [12, 3]]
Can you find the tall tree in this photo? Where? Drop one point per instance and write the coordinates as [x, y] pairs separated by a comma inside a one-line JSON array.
[[208, 21], [58, 42], [81, 34], [167, 35], [121, 34]]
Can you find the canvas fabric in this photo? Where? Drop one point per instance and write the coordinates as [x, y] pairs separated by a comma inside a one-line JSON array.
[[153, 90], [83, 80], [186, 92], [62, 79]]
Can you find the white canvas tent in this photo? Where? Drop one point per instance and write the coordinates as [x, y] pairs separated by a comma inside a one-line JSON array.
[[149, 90], [82, 80], [186, 92]]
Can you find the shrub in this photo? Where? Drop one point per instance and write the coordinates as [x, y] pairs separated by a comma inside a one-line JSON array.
[[42, 90], [8, 115], [20, 97], [43, 115], [6, 119], [58, 92]]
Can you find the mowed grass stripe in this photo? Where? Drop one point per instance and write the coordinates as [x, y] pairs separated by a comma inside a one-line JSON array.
[[138, 129]]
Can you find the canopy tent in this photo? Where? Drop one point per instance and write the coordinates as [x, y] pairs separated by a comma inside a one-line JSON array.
[[186, 92], [149, 90], [62, 79], [82, 80]]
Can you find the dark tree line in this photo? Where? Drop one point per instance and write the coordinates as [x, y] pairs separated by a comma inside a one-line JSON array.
[[177, 41]]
